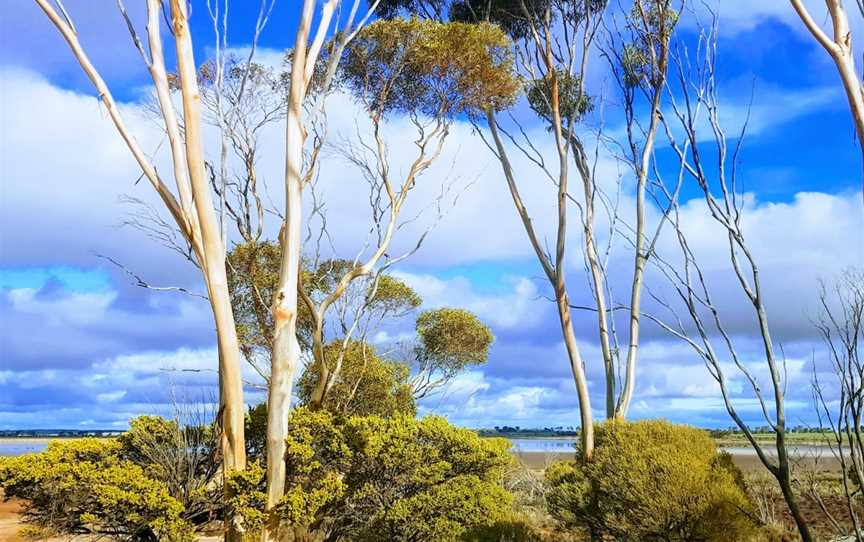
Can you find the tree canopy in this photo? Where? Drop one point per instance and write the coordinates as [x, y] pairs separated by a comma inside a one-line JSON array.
[[367, 385], [431, 68]]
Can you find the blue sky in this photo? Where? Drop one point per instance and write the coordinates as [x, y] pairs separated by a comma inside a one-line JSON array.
[[82, 346]]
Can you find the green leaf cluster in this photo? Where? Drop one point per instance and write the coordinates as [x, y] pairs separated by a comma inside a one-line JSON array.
[[425, 67], [573, 103], [253, 278], [87, 486], [367, 385], [516, 17], [652, 480], [651, 22], [452, 339], [371, 479]]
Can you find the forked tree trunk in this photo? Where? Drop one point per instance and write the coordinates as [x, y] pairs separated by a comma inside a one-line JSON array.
[[286, 349], [640, 255]]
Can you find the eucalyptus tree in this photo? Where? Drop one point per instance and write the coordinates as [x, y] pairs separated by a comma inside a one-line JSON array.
[[697, 318], [553, 44], [192, 206], [839, 45], [406, 67], [639, 59]]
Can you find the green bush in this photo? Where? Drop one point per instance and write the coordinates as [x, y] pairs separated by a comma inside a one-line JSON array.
[[182, 458], [652, 481], [371, 479], [86, 486]]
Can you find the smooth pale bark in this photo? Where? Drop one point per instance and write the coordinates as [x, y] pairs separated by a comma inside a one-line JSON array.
[[107, 99], [232, 408], [555, 275], [172, 127], [839, 47], [194, 213], [578, 369], [285, 359], [598, 281], [561, 297], [640, 256]]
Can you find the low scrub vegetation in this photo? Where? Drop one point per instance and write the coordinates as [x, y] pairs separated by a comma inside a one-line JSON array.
[[89, 486], [394, 478], [652, 480]]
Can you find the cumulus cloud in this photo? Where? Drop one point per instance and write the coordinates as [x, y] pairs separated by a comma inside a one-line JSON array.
[[64, 171]]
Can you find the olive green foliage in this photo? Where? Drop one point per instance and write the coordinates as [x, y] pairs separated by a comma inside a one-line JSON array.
[[449, 340], [573, 103], [256, 433], [366, 385], [369, 479], [428, 9], [384, 295], [87, 486], [516, 17], [183, 458], [509, 15], [430, 68], [248, 499], [253, 277], [652, 481], [651, 23], [456, 337]]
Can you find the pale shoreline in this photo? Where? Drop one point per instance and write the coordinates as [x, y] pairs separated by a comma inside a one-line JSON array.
[[743, 456]]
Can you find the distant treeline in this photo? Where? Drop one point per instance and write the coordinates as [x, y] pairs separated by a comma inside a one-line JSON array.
[[800, 430], [571, 431], [58, 433], [497, 431], [516, 432]]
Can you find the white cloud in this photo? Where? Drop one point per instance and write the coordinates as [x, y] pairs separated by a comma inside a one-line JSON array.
[[58, 203], [504, 309], [75, 308]]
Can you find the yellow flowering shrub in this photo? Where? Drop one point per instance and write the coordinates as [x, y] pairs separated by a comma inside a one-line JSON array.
[[85, 486], [370, 479], [652, 480]]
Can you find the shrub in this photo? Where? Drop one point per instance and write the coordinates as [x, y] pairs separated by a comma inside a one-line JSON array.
[[86, 486], [248, 499], [182, 458], [370, 479], [652, 480]]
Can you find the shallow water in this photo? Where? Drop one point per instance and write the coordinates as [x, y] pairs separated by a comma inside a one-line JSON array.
[[19, 448], [547, 445], [565, 445]]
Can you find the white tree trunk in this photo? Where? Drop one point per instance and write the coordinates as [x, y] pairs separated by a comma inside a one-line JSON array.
[[232, 406], [286, 349], [839, 47]]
